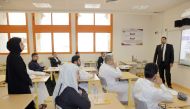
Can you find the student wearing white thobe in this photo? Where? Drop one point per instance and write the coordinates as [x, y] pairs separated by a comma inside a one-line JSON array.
[[145, 90], [42, 90], [111, 73]]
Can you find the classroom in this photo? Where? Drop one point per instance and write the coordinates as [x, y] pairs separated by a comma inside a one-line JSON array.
[[94, 54]]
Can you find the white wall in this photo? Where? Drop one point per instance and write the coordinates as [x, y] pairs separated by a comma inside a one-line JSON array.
[[180, 74]]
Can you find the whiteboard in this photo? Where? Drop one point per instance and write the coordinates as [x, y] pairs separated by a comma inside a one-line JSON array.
[[174, 38]]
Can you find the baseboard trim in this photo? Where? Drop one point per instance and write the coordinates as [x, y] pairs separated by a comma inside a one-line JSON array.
[[180, 86]]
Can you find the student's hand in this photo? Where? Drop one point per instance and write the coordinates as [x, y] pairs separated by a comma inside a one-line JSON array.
[[171, 65], [158, 80], [80, 92]]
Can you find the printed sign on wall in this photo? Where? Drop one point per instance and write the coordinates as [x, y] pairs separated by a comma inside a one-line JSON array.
[[132, 37]]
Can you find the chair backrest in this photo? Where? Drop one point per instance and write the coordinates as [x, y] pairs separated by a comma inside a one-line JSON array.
[[140, 104], [103, 82]]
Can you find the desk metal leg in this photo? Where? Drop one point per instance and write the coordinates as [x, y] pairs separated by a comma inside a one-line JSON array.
[[36, 90], [129, 93], [51, 75]]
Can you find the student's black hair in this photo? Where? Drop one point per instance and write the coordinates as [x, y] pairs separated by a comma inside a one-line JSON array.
[[77, 52], [34, 54], [150, 70], [75, 58], [164, 37]]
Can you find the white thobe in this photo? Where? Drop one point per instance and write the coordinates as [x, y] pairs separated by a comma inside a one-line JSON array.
[[110, 74], [144, 90], [42, 90]]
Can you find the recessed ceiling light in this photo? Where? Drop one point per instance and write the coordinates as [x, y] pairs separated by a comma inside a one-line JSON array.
[[42, 5], [140, 7], [92, 5]]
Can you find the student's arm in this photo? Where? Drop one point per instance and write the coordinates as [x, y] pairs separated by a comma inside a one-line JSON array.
[[81, 101], [116, 73], [155, 54], [162, 94]]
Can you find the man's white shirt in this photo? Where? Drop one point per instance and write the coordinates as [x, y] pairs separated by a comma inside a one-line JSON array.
[[144, 90]]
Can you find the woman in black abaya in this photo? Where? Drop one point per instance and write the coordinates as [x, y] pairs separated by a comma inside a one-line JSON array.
[[16, 74]]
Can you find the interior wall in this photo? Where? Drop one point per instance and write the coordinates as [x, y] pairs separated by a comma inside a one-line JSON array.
[[180, 73]]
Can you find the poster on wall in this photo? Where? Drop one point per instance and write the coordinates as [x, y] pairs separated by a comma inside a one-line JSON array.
[[132, 36]]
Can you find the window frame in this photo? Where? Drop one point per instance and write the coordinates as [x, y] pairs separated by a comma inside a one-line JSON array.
[[51, 29], [94, 29], [16, 29]]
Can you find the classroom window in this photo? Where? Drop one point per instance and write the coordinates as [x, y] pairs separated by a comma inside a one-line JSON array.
[[43, 42], [103, 42], [59, 46], [102, 19], [3, 18], [3, 42], [85, 42], [94, 32], [13, 24], [52, 32], [16, 18]]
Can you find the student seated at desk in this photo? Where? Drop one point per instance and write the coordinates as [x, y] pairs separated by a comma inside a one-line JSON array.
[[54, 61], [17, 78], [145, 90], [35, 66], [42, 90], [67, 94], [111, 73], [82, 74], [100, 60]]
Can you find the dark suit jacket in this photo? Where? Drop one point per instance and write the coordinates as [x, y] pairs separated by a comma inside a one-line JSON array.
[[169, 54], [53, 62], [33, 65], [99, 62], [16, 75]]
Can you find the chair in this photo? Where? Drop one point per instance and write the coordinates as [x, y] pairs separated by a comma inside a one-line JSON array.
[[94, 84], [140, 104]]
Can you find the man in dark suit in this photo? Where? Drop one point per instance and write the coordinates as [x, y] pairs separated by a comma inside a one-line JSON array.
[[54, 60], [100, 60], [164, 56]]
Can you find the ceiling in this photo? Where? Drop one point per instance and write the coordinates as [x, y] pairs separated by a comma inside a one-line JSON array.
[[78, 5]]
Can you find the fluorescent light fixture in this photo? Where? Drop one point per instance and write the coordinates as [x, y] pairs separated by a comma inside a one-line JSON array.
[[42, 5], [140, 7], [92, 5]]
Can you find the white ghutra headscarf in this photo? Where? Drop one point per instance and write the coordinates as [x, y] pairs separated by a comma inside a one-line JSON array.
[[67, 77]]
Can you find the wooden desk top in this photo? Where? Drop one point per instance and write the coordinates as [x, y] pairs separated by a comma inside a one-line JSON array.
[[17, 101], [95, 78], [178, 103], [2, 78], [39, 79], [89, 69], [52, 69], [114, 102], [127, 75]]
